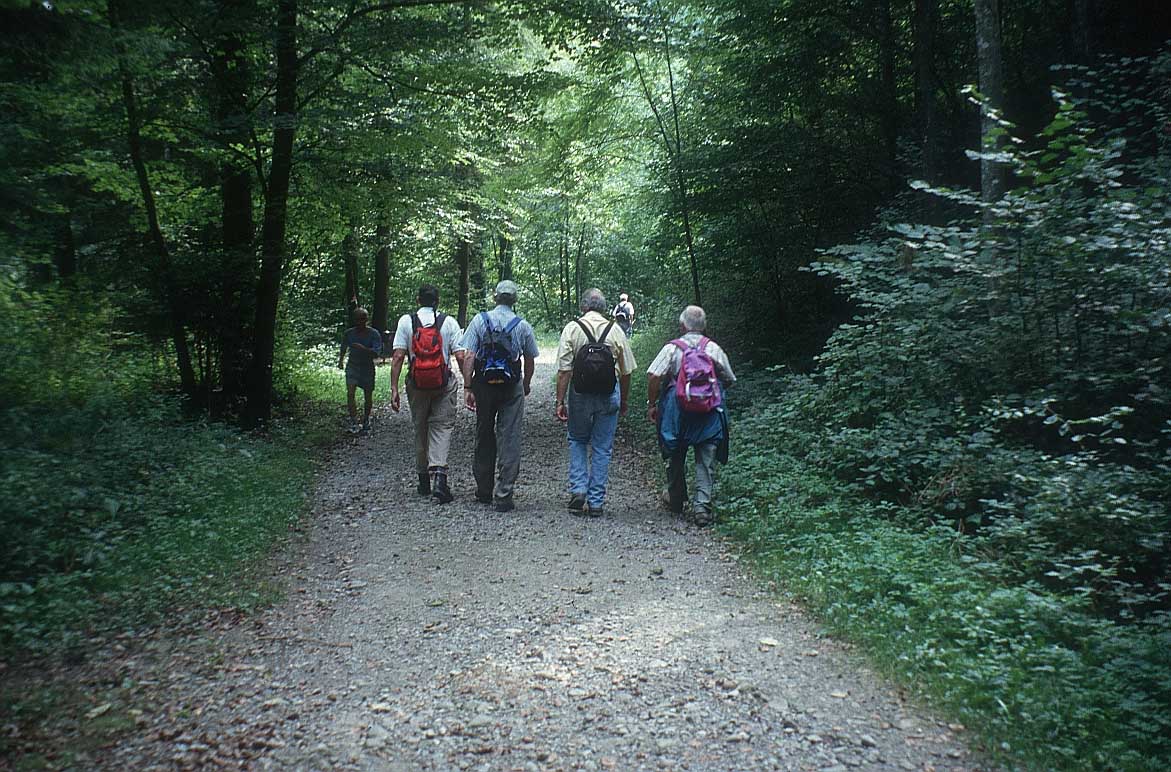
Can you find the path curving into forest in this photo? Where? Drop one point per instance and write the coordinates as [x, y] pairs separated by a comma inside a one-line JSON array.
[[416, 636]]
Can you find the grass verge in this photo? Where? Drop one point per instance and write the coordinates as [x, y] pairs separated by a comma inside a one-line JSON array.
[[1046, 683]]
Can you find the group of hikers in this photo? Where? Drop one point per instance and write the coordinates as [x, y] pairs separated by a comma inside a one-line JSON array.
[[496, 356]]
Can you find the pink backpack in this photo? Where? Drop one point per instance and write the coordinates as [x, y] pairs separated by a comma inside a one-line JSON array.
[[696, 387]]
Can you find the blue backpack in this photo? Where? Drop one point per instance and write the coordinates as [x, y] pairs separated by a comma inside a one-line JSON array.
[[496, 363]]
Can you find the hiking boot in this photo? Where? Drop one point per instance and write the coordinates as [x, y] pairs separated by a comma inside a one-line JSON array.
[[484, 498], [424, 488], [505, 505], [670, 506], [577, 503], [702, 517], [439, 487], [594, 511]]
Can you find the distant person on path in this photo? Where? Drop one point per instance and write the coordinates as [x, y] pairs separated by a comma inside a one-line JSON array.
[[363, 343], [428, 339], [685, 388], [594, 357], [495, 387], [624, 314]]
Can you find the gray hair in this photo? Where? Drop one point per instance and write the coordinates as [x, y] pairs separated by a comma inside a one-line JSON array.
[[693, 319], [593, 300]]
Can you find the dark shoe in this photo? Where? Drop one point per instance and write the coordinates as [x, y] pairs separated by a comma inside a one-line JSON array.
[[484, 498], [703, 517], [577, 503], [594, 511], [505, 505], [671, 506], [424, 488], [440, 490]]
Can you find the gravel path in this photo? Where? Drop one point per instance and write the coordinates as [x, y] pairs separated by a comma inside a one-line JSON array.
[[424, 637]]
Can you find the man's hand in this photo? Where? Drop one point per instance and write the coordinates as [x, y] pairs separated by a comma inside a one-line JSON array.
[[562, 412], [622, 408], [652, 413], [470, 399], [528, 388], [395, 404], [340, 366]]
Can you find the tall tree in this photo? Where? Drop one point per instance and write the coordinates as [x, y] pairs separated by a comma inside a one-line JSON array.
[[273, 245], [991, 65], [379, 314], [166, 274]]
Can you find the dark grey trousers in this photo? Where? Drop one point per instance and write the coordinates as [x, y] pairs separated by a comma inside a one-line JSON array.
[[499, 416], [705, 478]]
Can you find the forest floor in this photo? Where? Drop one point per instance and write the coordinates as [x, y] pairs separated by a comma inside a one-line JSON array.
[[415, 636]]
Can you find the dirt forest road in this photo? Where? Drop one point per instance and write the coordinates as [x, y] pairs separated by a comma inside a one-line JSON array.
[[420, 637]]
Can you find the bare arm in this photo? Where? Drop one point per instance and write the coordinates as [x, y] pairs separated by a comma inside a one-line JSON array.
[[396, 367], [653, 384], [530, 366], [467, 364], [563, 378]]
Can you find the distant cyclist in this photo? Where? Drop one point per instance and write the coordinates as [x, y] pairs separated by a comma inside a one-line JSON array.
[[624, 313]]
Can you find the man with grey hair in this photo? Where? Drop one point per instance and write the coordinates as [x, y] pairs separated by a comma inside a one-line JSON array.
[[680, 428], [594, 356], [495, 386]]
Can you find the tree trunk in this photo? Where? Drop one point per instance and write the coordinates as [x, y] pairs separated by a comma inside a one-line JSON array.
[[504, 242], [477, 276], [275, 214], [65, 256], [926, 21], [991, 63], [541, 282], [674, 151], [351, 296], [888, 108], [231, 81], [381, 284], [463, 255], [1081, 29], [162, 254]]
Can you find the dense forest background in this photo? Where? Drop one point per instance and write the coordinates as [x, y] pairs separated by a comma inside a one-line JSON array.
[[938, 229]]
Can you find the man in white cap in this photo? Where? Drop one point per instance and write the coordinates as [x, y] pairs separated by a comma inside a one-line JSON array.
[[624, 313], [495, 386]]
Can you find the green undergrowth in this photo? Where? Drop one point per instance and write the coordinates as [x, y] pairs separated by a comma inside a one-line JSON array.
[[1044, 680], [119, 510]]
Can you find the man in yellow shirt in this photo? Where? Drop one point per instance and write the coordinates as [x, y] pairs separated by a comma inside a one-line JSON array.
[[594, 357]]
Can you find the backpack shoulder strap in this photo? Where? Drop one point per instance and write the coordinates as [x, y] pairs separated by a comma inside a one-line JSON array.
[[702, 345], [605, 332], [488, 325], [589, 335], [415, 322], [512, 324], [682, 344], [439, 320]]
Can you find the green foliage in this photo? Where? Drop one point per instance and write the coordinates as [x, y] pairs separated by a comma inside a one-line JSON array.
[[116, 507], [973, 482]]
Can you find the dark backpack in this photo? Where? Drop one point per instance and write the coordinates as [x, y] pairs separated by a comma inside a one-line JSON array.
[[429, 369], [496, 363], [593, 364]]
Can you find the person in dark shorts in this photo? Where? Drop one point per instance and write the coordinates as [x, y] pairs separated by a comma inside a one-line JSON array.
[[363, 344]]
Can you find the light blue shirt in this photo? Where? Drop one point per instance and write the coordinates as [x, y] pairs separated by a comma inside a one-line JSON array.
[[523, 342]]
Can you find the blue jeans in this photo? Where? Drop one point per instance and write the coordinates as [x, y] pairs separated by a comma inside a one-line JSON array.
[[592, 421]]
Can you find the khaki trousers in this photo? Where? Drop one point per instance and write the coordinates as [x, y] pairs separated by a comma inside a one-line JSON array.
[[433, 412]]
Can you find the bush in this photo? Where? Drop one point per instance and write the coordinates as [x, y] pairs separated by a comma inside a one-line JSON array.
[[974, 482]]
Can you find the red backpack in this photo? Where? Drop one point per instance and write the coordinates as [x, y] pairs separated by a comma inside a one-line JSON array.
[[429, 368], [696, 387]]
